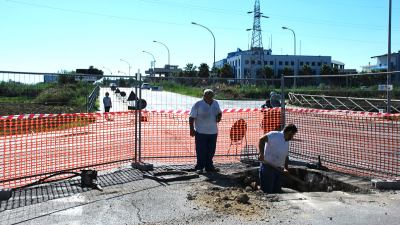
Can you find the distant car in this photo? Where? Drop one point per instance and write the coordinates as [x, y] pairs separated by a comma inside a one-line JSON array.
[[156, 88], [113, 86], [146, 86]]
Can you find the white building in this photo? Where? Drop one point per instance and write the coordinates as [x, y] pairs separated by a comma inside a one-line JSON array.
[[381, 63], [245, 63]]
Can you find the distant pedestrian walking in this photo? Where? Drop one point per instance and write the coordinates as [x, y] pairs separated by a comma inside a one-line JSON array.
[[107, 102]]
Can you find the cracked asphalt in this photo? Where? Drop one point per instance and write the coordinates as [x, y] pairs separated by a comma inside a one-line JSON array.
[[150, 202]]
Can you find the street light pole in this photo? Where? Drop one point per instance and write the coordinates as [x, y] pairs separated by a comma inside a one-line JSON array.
[[294, 35], [167, 50], [119, 71], [294, 69], [248, 38], [129, 65], [212, 36], [107, 69], [154, 61], [389, 64]]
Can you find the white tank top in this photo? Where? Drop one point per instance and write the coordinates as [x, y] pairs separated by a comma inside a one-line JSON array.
[[277, 149]]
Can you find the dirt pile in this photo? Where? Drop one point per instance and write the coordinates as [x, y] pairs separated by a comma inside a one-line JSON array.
[[244, 202]]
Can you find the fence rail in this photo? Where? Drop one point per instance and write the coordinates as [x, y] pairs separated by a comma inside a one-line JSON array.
[[342, 103]]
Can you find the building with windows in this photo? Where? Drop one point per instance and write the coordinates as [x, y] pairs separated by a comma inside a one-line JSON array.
[[246, 64], [163, 72], [381, 63]]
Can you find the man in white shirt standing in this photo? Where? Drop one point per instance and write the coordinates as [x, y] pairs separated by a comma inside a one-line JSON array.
[[274, 151], [204, 116]]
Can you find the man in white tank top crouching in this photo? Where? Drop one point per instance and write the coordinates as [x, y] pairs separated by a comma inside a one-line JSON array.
[[274, 151]]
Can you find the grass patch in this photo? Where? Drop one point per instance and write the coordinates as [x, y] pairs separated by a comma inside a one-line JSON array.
[[18, 99]]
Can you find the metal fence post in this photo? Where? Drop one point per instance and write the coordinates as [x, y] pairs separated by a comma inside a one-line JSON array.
[[283, 100]]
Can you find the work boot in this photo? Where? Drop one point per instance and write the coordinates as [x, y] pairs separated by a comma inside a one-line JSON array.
[[212, 170], [200, 171]]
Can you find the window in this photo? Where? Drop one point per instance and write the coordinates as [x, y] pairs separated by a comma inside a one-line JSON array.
[[259, 62], [271, 62], [319, 64], [313, 64], [286, 63], [246, 62], [280, 63], [253, 62], [265, 62], [301, 63], [307, 63], [292, 63]]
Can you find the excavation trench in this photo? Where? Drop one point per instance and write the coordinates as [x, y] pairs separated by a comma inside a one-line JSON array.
[[303, 179]]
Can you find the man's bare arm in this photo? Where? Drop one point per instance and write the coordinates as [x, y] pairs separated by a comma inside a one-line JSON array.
[[191, 126], [261, 144]]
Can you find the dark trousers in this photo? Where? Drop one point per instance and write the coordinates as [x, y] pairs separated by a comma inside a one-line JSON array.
[[205, 150], [270, 179], [107, 108]]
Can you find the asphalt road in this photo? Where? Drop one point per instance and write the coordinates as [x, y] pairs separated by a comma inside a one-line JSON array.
[[168, 100], [149, 202]]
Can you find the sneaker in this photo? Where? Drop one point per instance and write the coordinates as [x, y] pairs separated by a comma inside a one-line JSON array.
[[199, 171]]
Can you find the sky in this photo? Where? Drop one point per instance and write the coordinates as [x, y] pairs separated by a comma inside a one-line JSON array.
[[55, 35]]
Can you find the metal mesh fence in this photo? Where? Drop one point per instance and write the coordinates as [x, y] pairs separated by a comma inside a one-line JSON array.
[[363, 144], [37, 145]]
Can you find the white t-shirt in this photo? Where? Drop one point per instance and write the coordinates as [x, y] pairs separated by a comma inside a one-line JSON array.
[[205, 116], [277, 149]]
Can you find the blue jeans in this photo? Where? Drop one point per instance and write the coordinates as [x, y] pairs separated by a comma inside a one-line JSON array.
[[270, 179], [205, 150]]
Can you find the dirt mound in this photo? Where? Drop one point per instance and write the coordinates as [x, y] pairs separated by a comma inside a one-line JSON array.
[[233, 200]]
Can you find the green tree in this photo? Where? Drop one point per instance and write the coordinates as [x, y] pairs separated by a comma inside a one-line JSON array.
[[66, 79], [190, 70], [287, 71], [204, 70], [268, 72], [306, 70], [226, 71], [326, 70], [335, 70]]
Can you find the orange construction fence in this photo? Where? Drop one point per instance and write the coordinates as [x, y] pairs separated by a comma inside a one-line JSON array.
[[359, 143], [33, 147]]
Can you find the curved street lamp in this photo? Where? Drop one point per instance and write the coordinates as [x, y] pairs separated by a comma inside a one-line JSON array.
[[167, 50], [107, 69], [123, 60], [119, 71], [294, 35], [294, 69], [212, 36], [154, 60]]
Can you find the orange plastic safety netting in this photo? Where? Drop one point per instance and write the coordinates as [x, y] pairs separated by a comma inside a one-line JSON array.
[[34, 146], [364, 144], [166, 136]]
